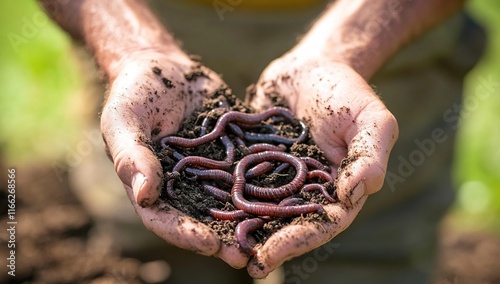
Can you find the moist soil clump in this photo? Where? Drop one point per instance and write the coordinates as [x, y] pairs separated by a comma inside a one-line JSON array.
[[195, 202]]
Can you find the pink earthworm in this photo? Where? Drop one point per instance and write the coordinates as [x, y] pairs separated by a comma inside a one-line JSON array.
[[217, 193], [320, 174], [193, 160], [281, 191], [259, 170], [210, 115], [229, 149], [244, 228], [310, 162], [261, 147], [321, 188], [228, 117], [233, 215], [265, 209], [315, 164], [274, 138]]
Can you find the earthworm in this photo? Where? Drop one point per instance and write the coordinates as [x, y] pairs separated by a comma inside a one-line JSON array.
[[236, 130], [259, 170], [319, 174], [310, 162], [260, 208], [258, 126], [281, 168], [231, 116], [201, 161], [171, 152], [244, 228], [229, 149], [321, 188], [234, 215], [212, 174], [217, 193], [216, 174], [277, 192], [193, 160], [315, 164], [290, 200], [210, 115], [241, 144], [274, 138], [261, 147]]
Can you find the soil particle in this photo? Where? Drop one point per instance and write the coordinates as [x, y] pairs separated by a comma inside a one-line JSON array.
[[194, 74], [167, 83], [156, 70]]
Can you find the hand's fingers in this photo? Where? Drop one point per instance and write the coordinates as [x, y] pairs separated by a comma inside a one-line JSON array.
[[184, 232], [369, 143], [176, 228], [233, 256], [127, 139], [295, 240]]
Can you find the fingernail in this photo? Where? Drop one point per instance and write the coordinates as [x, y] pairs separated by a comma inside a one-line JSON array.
[[138, 181], [357, 192]]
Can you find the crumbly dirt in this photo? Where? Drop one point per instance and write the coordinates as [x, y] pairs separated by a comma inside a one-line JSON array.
[[192, 200]]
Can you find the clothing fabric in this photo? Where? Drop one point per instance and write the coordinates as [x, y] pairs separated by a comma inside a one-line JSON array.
[[394, 237]]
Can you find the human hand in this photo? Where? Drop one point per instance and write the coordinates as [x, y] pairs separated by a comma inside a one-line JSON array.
[[349, 123], [148, 99]]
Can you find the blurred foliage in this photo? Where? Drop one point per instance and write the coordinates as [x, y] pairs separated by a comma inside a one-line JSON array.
[[477, 170], [41, 101], [40, 84]]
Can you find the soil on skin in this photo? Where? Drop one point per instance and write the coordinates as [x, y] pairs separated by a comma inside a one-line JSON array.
[[192, 200]]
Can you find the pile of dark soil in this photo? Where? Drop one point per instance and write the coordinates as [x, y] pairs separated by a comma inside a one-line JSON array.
[[194, 201]]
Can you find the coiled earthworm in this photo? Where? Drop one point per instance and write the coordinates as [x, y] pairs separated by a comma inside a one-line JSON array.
[[277, 192], [258, 208]]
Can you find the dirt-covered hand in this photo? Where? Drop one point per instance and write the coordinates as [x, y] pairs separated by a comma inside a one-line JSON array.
[[349, 123], [147, 100]]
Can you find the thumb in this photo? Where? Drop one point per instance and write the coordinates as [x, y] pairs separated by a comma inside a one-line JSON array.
[[362, 171], [128, 141]]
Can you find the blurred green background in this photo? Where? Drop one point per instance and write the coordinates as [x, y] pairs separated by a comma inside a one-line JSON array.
[[42, 106]]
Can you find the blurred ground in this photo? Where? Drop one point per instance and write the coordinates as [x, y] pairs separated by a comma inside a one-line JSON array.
[[58, 242]]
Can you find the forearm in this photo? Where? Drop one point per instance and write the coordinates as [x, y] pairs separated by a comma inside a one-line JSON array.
[[112, 30], [366, 33]]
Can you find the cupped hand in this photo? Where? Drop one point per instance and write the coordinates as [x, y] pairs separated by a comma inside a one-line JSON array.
[[148, 99], [349, 123]]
